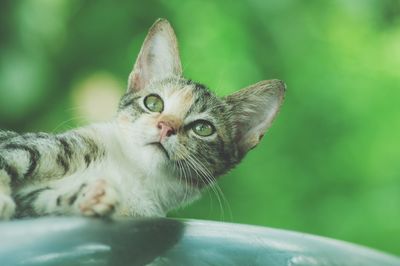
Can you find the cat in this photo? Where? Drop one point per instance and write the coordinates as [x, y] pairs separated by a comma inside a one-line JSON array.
[[171, 139]]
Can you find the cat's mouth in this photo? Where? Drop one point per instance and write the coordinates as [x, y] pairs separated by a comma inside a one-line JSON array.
[[159, 146]]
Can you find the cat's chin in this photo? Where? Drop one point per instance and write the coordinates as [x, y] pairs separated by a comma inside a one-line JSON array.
[[164, 160]]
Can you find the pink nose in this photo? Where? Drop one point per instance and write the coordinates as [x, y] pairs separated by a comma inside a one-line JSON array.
[[166, 129]]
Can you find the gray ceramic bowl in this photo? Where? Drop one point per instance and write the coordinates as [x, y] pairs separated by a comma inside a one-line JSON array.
[[79, 241]]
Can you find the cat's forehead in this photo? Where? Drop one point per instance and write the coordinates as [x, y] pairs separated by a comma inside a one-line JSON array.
[[178, 99], [185, 97]]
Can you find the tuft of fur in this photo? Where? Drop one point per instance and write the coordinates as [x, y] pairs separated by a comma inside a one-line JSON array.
[[130, 166]]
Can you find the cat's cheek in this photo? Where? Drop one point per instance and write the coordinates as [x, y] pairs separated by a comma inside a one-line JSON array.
[[123, 119], [173, 146], [145, 129]]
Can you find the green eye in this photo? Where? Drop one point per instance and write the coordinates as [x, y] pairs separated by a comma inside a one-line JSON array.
[[203, 128], [154, 103]]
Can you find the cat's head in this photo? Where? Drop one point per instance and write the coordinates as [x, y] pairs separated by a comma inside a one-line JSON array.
[[182, 127]]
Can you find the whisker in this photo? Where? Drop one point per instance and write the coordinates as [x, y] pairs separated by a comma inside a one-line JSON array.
[[81, 119], [207, 177], [214, 184]]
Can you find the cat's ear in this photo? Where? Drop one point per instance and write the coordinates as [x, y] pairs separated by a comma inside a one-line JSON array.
[[158, 58], [254, 109]]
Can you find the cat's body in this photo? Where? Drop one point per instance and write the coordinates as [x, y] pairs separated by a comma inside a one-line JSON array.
[[170, 139], [91, 158]]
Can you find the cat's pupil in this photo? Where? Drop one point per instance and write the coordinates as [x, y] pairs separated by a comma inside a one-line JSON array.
[[154, 103]]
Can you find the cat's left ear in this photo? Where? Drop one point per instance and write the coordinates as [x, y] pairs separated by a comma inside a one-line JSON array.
[[254, 109], [158, 58]]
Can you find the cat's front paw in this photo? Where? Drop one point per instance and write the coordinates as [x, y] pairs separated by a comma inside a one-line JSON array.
[[7, 207], [98, 199]]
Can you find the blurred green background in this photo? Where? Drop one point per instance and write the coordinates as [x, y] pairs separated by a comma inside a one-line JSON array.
[[330, 163]]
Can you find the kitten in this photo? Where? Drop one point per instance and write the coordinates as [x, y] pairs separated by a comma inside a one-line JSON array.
[[171, 138]]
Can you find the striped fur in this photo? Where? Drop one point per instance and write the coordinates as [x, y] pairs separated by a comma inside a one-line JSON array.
[[128, 166]]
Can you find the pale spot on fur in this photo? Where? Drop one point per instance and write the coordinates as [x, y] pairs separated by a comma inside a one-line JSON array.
[[179, 101], [123, 118]]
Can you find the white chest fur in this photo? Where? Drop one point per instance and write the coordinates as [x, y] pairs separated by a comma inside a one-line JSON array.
[[145, 187]]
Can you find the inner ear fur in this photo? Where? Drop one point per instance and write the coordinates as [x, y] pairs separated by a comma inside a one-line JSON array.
[[158, 58], [254, 109]]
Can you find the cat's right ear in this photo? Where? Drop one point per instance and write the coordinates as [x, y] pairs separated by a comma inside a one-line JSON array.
[[254, 109], [158, 58]]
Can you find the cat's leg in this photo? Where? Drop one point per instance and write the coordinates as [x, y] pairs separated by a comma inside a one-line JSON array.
[[42, 157], [7, 205], [96, 197]]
